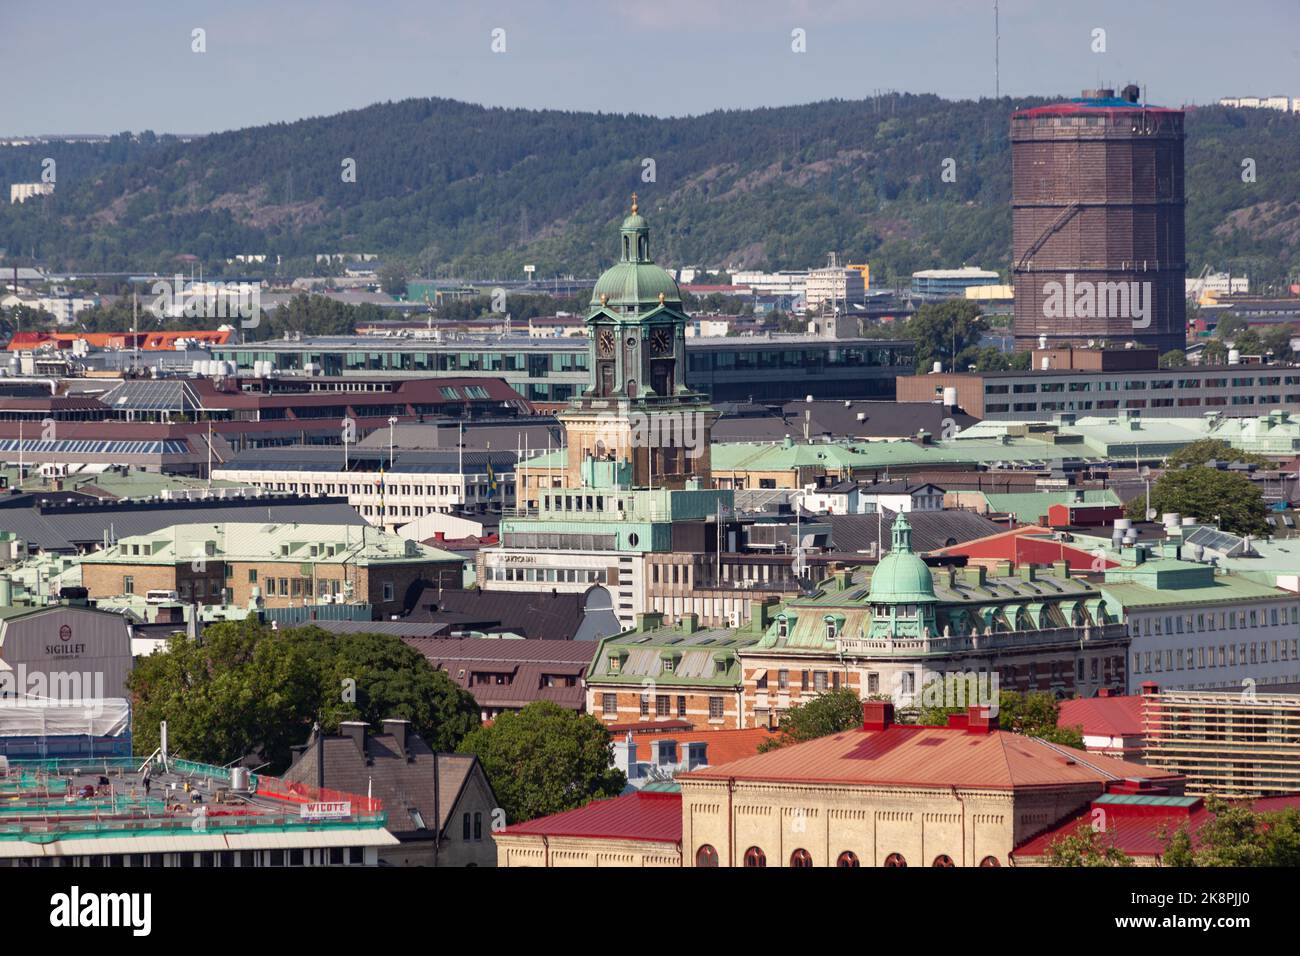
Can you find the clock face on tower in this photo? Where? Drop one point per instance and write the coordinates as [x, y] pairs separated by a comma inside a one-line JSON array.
[[605, 341], [661, 340]]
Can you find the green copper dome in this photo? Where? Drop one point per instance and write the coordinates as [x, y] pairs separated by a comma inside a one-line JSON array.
[[901, 577], [635, 283]]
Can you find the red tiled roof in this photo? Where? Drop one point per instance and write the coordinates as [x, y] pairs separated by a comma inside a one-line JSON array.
[[653, 817], [1137, 829], [905, 755], [1104, 716]]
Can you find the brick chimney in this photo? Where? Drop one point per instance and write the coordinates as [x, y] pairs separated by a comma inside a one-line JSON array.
[[979, 720], [877, 714], [356, 729], [397, 728]]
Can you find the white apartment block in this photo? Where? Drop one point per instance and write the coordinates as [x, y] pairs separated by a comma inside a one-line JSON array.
[[833, 286], [622, 573], [789, 283], [1286, 104], [1237, 645], [1220, 283], [386, 499]]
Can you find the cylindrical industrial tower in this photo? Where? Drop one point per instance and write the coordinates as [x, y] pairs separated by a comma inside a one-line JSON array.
[[1098, 251]]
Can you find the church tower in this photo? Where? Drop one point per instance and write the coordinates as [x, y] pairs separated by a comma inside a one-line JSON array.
[[637, 424]]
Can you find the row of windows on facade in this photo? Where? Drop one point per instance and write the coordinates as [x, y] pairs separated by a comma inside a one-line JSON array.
[[819, 681], [1142, 403], [1221, 621], [557, 575], [663, 705], [332, 856], [376, 488], [707, 856], [195, 588], [1229, 655], [1264, 381]]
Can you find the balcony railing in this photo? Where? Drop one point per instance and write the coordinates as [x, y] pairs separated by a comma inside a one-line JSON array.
[[941, 645]]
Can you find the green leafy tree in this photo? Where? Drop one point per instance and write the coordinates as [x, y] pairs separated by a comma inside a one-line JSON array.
[[1034, 714], [1248, 342], [391, 679], [943, 331], [1277, 341], [1207, 494], [1214, 353], [829, 713], [1238, 835], [545, 759], [1086, 847], [247, 689], [1211, 449], [393, 277], [1229, 326], [1174, 358], [243, 690]]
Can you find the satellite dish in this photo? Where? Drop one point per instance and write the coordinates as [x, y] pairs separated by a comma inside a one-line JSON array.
[[1151, 514]]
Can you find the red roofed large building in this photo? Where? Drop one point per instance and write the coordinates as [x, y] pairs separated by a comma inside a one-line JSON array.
[[637, 829], [1136, 824], [896, 795]]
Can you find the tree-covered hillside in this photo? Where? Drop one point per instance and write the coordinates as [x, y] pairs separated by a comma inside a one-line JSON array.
[[453, 188]]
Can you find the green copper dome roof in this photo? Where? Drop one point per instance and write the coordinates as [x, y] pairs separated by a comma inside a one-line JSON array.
[[635, 282], [901, 577]]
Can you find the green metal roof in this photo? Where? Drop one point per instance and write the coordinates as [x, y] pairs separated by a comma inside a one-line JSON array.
[[1146, 800]]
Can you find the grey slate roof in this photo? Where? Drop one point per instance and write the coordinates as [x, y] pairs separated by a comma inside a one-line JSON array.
[[67, 528], [930, 529], [747, 422], [401, 781], [543, 615]]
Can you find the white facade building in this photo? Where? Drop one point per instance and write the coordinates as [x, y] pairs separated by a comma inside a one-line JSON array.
[[1193, 628], [387, 499]]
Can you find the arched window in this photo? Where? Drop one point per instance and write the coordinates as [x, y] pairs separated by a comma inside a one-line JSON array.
[[990, 861], [847, 859], [801, 859], [755, 857], [895, 859], [943, 859], [706, 856]]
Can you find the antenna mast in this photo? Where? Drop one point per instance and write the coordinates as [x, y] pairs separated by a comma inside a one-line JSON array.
[[997, 70]]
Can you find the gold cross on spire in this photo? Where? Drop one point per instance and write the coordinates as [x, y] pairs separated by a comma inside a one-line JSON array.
[[634, 204]]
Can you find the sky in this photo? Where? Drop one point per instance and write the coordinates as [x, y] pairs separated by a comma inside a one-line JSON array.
[[89, 66]]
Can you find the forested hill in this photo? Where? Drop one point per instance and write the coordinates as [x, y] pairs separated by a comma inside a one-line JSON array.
[[468, 190]]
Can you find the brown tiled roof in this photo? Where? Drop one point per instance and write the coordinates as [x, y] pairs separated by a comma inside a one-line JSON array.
[[522, 662]]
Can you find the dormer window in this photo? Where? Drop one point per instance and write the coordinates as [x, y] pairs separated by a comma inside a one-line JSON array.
[[782, 627], [668, 665], [613, 663]]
